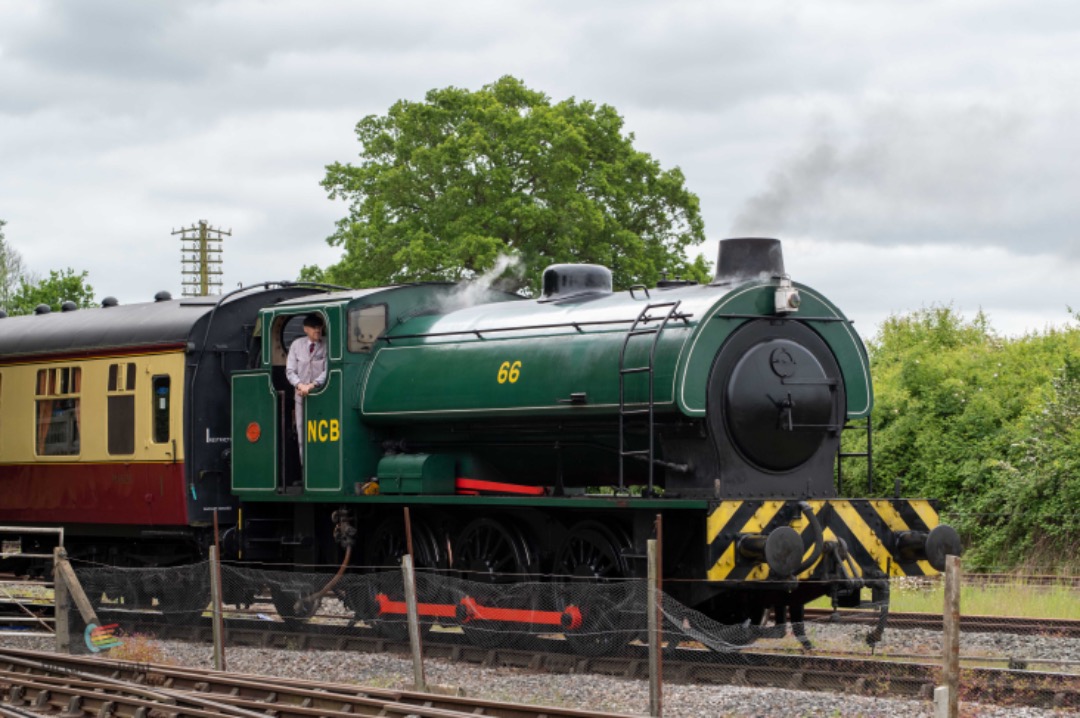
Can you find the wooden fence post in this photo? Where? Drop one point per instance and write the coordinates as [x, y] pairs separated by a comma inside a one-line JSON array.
[[656, 703], [62, 604], [66, 575], [74, 588], [951, 641], [215, 604], [414, 622]]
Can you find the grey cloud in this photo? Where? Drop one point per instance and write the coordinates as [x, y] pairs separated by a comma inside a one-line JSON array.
[[944, 123], [976, 175], [176, 42], [870, 282], [111, 37], [172, 61], [694, 58]]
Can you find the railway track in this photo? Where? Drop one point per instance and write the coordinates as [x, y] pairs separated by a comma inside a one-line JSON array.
[[1054, 627], [900, 676], [47, 683], [911, 676]]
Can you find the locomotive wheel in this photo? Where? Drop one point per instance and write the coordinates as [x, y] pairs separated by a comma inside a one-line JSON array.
[[592, 551], [492, 552], [591, 555], [488, 551], [385, 550], [290, 606], [184, 602], [388, 544]]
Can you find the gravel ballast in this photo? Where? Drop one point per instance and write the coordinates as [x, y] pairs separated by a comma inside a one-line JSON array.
[[585, 692]]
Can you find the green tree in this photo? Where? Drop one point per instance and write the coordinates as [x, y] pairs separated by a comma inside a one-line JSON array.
[[446, 185], [1031, 512], [59, 287], [985, 424], [12, 270]]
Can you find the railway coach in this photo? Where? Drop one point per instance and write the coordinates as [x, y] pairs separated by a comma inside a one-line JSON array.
[[114, 423]]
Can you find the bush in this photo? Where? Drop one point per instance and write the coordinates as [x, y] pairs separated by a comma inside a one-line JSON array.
[[986, 424]]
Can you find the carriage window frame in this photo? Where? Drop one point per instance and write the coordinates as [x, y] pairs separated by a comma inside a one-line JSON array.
[[160, 408], [57, 398], [120, 409], [366, 324]]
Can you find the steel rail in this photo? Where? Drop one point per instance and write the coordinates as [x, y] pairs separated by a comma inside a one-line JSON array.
[[52, 682], [1056, 627], [865, 675], [233, 694]]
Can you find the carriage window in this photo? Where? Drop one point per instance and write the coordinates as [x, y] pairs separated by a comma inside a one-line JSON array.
[[365, 326], [57, 408], [120, 408], [160, 391]]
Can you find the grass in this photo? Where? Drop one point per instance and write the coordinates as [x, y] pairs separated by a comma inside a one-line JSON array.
[[1014, 599], [1004, 600]]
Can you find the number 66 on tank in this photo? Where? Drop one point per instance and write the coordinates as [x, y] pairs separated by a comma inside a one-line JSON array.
[[509, 372]]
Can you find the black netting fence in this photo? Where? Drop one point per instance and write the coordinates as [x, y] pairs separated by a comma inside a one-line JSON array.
[[587, 619], [591, 618]]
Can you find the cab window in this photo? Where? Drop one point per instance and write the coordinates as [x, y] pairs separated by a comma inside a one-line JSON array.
[[366, 324], [285, 330], [292, 330]]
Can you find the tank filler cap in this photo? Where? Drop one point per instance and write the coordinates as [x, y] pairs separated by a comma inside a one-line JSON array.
[[563, 281]]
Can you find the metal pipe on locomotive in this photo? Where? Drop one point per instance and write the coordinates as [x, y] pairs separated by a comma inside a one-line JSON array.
[[542, 436]]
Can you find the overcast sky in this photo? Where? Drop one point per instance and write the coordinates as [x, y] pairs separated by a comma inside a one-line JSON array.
[[908, 153]]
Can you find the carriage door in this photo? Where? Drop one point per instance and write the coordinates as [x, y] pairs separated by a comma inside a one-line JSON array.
[[265, 454], [256, 432]]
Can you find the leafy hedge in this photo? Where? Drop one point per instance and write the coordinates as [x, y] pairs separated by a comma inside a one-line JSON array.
[[987, 424]]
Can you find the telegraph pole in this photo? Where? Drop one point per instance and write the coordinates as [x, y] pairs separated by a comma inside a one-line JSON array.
[[201, 258]]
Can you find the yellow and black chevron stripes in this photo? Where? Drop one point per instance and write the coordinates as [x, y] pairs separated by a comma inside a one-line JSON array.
[[867, 526]]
